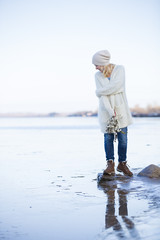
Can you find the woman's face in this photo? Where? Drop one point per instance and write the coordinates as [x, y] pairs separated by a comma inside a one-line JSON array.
[[100, 68]]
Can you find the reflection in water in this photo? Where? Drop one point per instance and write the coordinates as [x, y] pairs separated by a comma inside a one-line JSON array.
[[120, 223]]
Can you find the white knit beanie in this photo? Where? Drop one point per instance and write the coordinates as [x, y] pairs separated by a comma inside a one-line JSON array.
[[101, 58]]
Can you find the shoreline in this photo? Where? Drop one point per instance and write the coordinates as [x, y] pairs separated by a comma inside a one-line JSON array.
[[85, 114]]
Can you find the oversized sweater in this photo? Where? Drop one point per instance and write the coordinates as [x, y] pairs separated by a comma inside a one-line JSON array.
[[112, 98]]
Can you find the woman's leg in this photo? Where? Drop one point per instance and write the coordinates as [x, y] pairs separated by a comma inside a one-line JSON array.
[[109, 151], [122, 153], [122, 145], [109, 146]]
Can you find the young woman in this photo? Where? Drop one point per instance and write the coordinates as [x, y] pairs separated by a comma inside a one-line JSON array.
[[113, 112]]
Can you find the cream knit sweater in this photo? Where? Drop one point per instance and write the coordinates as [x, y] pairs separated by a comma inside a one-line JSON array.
[[112, 98]]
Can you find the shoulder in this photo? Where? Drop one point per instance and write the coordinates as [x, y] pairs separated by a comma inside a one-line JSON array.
[[98, 76], [119, 69]]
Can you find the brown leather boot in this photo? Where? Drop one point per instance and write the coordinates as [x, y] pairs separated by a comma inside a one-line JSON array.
[[110, 168], [122, 167]]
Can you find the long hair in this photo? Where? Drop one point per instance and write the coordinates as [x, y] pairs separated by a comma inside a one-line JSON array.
[[108, 70]]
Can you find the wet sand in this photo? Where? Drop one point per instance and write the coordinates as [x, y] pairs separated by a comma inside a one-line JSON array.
[[132, 206], [49, 188], [76, 206]]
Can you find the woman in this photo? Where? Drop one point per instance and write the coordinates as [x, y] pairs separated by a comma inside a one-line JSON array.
[[114, 114]]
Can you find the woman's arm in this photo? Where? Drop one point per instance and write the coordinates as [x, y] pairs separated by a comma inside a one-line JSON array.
[[103, 100], [116, 84]]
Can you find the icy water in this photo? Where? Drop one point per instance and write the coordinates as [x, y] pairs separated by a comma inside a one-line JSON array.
[[48, 182]]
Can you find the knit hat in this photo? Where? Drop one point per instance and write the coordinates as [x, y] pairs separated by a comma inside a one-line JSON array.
[[101, 58]]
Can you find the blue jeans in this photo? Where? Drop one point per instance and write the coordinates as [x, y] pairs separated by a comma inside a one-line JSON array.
[[122, 145]]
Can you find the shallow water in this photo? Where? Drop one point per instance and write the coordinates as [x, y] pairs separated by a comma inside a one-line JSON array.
[[49, 190]]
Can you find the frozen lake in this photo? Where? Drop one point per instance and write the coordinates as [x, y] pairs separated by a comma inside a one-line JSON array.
[[48, 171]]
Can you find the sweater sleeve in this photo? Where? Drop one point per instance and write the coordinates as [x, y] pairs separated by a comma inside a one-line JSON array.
[[98, 84], [116, 84]]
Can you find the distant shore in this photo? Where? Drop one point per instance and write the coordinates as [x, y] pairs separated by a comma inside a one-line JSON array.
[[75, 114], [136, 111]]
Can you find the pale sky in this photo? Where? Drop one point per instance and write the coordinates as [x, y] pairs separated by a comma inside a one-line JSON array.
[[46, 49]]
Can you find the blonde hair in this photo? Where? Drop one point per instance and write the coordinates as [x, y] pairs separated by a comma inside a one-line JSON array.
[[108, 70]]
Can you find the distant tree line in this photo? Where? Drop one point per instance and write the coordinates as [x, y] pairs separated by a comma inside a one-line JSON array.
[[148, 111]]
